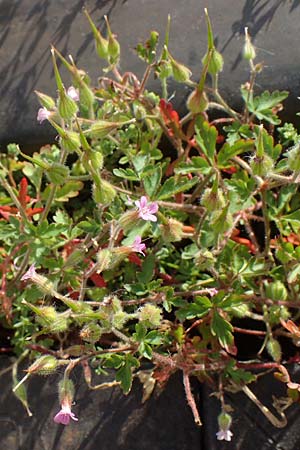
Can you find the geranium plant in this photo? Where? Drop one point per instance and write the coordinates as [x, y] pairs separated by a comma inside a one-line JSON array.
[[116, 252]]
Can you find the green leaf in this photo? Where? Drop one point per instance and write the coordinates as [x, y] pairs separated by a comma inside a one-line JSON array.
[[147, 269], [206, 138], [197, 165], [262, 105], [69, 190], [292, 218], [199, 308], [222, 329], [173, 186], [128, 174], [151, 179], [124, 374], [229, 151]]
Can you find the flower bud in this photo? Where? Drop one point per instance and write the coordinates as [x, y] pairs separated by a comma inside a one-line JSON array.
[[103, 192], [128, 220], [274, 349], [57, 173], [249, 52], [103, 260], [262, 166], [91, 332], [180, 72], [101, 128], [276, 291], [60, 323], [222, 221], [45, 365], [171, 230], [197, 101], [213, 199], [45, 100], [150, 315], [119, 319]]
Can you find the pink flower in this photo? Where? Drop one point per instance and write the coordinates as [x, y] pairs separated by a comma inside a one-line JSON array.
[[138, 246], [65, 414], [224, 421], [31, 273], [43, 114], [73, 93], [146, 210], [224, 435]]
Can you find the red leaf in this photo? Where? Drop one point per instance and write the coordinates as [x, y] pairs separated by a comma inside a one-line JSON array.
[[23, 192]]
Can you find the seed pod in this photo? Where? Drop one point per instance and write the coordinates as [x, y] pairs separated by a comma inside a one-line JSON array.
[[215, 61], [197, 101], [249, 52], [113, 47], [100, 42]]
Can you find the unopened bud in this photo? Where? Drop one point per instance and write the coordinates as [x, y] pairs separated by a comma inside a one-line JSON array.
[[180, 72], [103, 260], [45, 100], [150, 315], [171, 230], [91, 332], [276, 291], [103, 192], [213, 199], [44, 365], [197, 101], [128, 220], [262, 166], [101, 128], [274, 349]]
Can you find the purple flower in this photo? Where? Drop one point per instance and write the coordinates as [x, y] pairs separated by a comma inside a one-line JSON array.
[[65, 414], [146, 210], [224, 435], [138, 246], [31, 273], [43, 114], [73, 93]]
